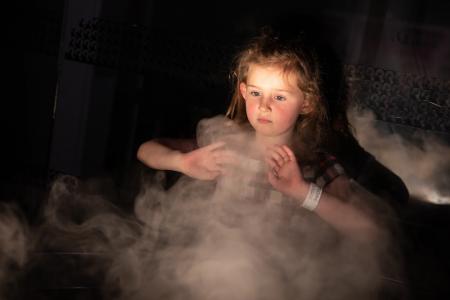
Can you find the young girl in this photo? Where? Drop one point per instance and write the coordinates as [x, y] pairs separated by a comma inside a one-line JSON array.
[[276, 145], [277, 97]]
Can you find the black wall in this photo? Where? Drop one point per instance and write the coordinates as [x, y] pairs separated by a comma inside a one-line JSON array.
[[91, 80]]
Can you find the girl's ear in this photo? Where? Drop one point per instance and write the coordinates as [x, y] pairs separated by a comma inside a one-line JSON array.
[[306, 107], [243, 90]]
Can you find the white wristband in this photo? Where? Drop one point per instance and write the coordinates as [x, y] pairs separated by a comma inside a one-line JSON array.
[[312, 198]]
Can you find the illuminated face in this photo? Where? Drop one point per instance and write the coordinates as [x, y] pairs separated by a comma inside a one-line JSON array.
[[273, 102]]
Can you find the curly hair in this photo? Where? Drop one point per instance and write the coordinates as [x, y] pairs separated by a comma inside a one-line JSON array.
[[293, 56]]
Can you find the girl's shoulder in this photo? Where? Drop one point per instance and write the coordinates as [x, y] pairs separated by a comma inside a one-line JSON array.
[[323, 170]]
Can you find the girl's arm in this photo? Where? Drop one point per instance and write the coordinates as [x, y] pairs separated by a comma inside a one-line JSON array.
[[343, 203], [350, 209], [205, 163], [165, 154]]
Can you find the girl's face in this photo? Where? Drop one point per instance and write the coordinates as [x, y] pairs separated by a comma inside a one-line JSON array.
[[273, 103]]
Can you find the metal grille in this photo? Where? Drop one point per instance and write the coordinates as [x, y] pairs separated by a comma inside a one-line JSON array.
[[399, 98]]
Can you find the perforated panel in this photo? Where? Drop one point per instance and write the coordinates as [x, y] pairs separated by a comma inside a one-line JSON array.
[[399, 98]]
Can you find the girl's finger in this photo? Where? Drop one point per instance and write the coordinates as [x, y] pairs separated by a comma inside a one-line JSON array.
[[214, 146], [276, 156], [273, 164], [272, 177], [213, 166], [289, 153], [275, 173], [282, 152]]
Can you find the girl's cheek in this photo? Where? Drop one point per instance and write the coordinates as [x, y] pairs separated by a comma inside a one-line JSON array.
[[250, 109], [288, 115]]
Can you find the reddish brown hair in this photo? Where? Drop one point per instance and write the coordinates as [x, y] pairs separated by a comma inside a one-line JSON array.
[[293, 57]]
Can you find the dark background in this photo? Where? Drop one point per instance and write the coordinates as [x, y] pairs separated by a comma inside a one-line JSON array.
[[88, 81]]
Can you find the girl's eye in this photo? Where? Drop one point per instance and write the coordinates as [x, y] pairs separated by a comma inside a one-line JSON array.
[[280, 98], [255, 93]]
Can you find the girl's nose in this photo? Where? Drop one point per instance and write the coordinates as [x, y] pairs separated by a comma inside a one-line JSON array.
[[264, 104]]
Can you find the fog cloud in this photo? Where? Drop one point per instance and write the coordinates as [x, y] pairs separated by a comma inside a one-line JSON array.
[[422, 161]]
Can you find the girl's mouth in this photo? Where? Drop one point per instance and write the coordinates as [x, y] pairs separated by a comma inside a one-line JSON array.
[[264, 121]]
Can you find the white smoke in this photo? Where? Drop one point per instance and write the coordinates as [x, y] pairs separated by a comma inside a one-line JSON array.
[[219, 240], [14, 248], [423, 164], [233, 238]]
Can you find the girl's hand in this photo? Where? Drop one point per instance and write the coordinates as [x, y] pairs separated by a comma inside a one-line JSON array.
[[284, 173], [205, 163]]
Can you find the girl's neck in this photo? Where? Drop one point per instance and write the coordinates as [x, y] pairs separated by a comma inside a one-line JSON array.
[[266, 141], [258, 144]]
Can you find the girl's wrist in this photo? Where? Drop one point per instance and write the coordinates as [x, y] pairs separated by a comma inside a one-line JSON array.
[[178, 161], [311, 201], [300, 192]]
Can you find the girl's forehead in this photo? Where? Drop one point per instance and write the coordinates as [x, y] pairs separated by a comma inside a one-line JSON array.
[[273, 73]]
